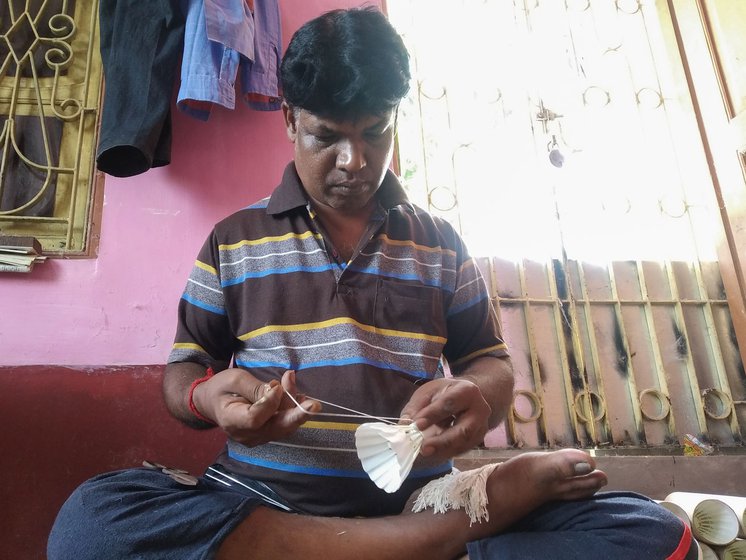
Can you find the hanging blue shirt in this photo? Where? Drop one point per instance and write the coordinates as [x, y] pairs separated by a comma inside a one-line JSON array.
[[217, 38]]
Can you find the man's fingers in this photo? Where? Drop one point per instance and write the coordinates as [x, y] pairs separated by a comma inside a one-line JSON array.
[[267, 392], [436, 414], [257, 412], [436, 411], [289, 412], [454, 434], [241, 384], [419, 401], [438, 401], [293, 398], [289, 388], [264, 403], [280, 424], [297, 416], [288, 381], [451, 440]]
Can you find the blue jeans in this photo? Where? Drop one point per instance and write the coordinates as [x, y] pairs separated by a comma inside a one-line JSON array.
[[610, 525]]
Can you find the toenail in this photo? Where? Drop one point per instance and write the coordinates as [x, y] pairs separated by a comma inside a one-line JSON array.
[[582, 468]]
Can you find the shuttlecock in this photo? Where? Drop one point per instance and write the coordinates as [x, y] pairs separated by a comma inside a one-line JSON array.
[[387, 452]]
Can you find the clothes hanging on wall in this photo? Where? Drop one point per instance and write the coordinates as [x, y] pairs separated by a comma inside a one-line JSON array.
[[217, 53], [261, 83], [222, 41], [232, 24], [140, 47]]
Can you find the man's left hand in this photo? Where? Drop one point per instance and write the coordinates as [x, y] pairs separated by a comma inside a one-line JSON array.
[[452, 415]]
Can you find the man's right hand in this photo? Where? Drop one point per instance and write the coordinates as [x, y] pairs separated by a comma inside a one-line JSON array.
[[250, 411]]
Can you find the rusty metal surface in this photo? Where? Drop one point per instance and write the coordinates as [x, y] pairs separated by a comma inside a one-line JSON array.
[[623, 359]]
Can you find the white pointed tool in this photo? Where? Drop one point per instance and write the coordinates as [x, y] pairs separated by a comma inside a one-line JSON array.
[[387, 452]]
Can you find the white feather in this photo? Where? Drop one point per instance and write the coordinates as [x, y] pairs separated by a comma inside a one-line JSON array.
[[387, 452]]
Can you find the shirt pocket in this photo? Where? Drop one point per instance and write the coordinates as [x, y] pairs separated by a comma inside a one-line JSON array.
[[410, 308]]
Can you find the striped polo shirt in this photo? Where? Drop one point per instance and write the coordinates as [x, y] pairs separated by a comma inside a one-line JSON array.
[[268, 293]]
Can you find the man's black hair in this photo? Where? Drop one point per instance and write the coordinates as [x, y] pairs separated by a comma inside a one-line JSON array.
[[346, 64]]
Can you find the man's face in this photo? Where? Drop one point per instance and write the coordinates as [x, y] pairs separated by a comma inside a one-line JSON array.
[[341, 164]]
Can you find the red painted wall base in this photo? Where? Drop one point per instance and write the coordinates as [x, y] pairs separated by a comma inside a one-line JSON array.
[[63, 425]]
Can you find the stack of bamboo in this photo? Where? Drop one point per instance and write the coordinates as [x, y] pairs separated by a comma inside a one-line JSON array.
[[718, 522]]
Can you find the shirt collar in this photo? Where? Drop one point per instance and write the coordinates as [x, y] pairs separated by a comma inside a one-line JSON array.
[[290, 193]]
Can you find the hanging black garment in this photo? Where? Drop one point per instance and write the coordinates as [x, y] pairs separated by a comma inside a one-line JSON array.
[[141, 43]]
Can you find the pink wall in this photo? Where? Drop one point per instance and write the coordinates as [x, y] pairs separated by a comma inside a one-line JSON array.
[[121, 307]]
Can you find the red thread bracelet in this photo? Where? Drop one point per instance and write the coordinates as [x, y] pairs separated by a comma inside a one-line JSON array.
[[192, 407]]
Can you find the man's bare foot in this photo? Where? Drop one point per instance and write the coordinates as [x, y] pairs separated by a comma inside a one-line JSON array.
[[532, 479], [566, 474], [527, 481]]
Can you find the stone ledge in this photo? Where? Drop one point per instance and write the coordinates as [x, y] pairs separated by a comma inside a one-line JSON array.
[[653, 476]]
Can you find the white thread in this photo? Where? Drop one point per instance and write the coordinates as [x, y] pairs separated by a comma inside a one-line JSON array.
[[357, 414], [465, 490]]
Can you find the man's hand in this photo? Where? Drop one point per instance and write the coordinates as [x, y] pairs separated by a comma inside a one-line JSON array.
[[248, 410], [452, 415], [455, 413]]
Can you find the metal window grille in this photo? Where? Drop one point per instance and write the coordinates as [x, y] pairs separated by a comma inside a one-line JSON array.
[[558, 139], [636, 354], [50, 81]]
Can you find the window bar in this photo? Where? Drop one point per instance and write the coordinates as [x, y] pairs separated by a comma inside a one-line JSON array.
[[716, 358], [691, 369], [10, 126], [631, 384], [678, 312], [5, 137], [654, 346], [535, 365], [713, 339], [423, 140], [83, 115], [75, 182], [591, 418], [561, 319], [80, 115]]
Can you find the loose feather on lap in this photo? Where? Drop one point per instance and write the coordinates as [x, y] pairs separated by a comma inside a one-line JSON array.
[[458, 490]]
